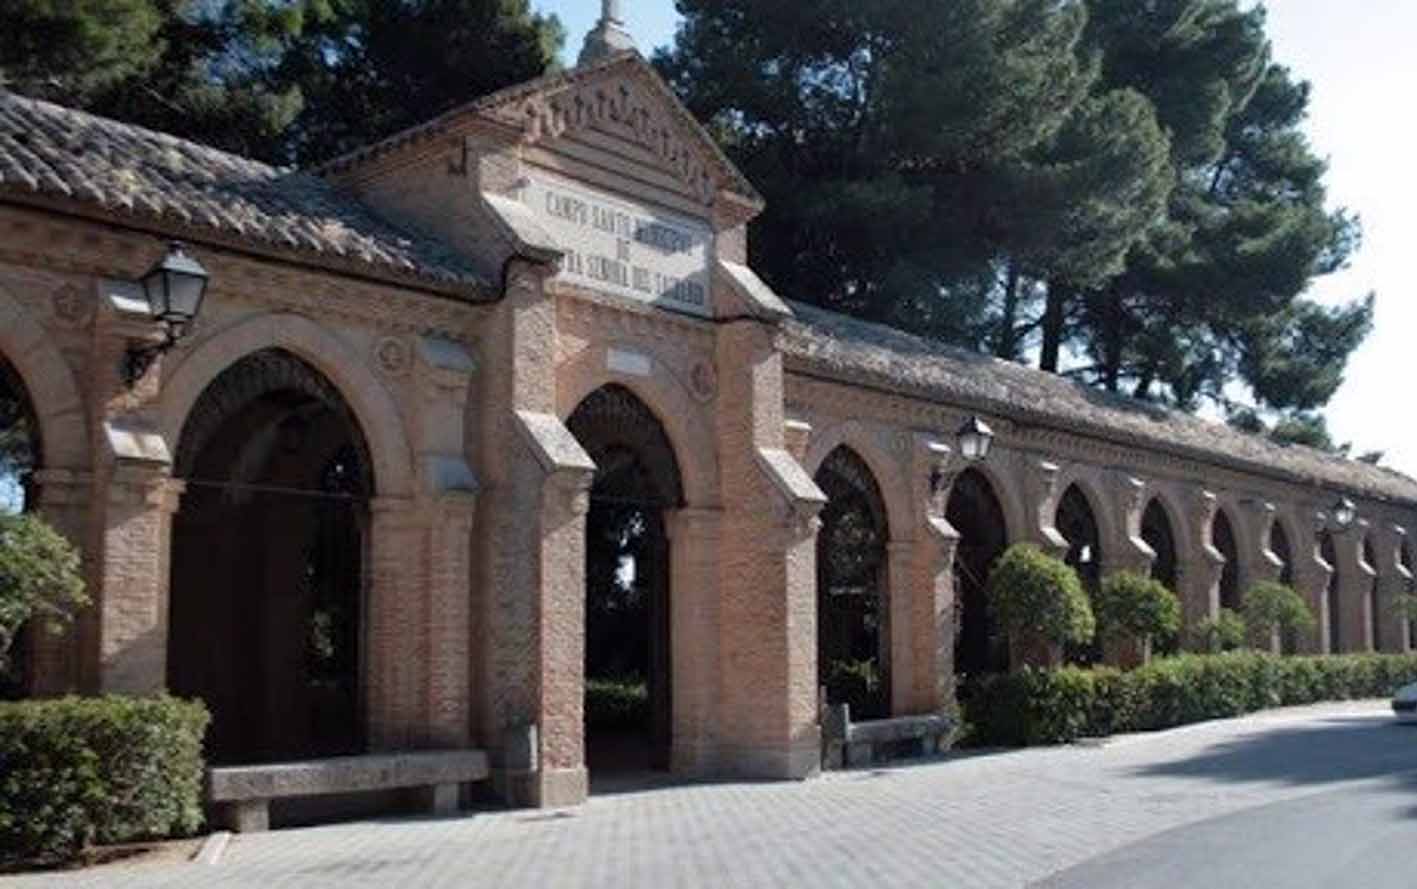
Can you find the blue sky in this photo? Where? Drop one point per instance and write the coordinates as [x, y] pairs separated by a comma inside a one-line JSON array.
[[1359, 57]]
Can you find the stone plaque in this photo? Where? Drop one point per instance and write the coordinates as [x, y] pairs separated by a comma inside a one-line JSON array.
[[622, 247]]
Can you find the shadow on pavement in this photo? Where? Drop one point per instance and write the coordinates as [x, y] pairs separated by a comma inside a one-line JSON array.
[[1335, 749]]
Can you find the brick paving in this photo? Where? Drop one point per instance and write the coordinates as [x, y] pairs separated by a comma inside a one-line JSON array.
[[978, 821]]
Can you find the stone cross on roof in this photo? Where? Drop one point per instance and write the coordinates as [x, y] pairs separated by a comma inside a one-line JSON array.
[[608, 36]]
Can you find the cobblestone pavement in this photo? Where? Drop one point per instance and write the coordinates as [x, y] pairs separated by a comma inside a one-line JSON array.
[[978, 821]]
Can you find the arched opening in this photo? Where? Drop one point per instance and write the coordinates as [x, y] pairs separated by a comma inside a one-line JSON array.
[[1076, 521], [974, 511], [1329, 553], [1279, 545], [1375, 624], [853, 617], [1404, 553], [268, 563], [629, 704], [1222, 537], [19, 457], [1156, 533]]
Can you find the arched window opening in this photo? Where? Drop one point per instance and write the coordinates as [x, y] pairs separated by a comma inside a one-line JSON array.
[[1156, 533], [629, 687], [853, 616], [19, 457], [1279, 545], [1375, 624], [268, 563], [1222, 537], [975, 513], [1076, 521]]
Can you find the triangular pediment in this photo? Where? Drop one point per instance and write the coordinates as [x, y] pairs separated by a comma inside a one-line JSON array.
[[622, 105]]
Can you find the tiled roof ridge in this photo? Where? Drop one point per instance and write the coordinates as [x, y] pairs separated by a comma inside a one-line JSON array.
[[55, 152], [1171, 429]]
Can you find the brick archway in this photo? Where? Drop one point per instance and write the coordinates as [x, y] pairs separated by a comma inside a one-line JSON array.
[[268, 578], [53, 392], [628, 577]]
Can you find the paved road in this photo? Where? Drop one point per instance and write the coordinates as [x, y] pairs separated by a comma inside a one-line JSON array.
[[1004, 820]]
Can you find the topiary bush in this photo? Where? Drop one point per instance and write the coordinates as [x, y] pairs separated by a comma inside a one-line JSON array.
[[1224, 632], [40, 578], [1039, 598], [1133, 608], [1270, 606], [1057, 706], [80, 771]]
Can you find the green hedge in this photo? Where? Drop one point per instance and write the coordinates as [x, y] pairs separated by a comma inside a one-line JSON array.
[[616, 704], [1057, 706], [79, 771]]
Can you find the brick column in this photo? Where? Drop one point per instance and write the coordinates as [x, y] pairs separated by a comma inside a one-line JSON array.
[[768, 609], [449, 654], [1355, 588], [55, 660], [1040, 485], [1393, 582], [133, 577], [396, 620], [1200, 593], [1311, 579], [931, 565], [1128, 552], [695, 541], [902, 595]]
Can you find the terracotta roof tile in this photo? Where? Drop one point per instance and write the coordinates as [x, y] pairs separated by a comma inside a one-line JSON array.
[[853, 349], [50, 151]]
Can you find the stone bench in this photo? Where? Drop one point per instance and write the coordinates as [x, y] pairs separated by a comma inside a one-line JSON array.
[[848, 744], [241, 795]]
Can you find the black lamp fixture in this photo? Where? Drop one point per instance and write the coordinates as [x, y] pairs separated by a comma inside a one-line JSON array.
[[1344, 512], [975, 437], [174, 289]]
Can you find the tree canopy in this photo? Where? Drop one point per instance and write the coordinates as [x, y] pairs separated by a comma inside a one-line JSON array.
[[1120, 192], [286, 81]]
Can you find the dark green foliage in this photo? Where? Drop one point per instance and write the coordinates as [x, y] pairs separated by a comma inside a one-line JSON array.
[[1057, 706], [279, 80], [616, 704], [1134, 605], [1035, 594], [858, 684], [1273, 606], [40, 578], [1224, 632], [80, 771]]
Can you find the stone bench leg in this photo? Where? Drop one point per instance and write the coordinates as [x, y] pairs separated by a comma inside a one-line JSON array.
[[245, 816], [859, 753], [440, 799]]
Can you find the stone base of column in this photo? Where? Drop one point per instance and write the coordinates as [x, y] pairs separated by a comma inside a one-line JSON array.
[[546, 789], [793, 762]]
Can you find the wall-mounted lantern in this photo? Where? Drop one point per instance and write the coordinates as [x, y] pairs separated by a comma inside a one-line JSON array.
[[975, 437], [174, 289], [1344, 513]]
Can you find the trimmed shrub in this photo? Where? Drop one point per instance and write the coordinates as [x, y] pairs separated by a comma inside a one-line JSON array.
[[1057, 706], [1224, 632], [616, 704], [1131, 605], [80, 771], [40, 578], [1037, 595], [1271, 606]]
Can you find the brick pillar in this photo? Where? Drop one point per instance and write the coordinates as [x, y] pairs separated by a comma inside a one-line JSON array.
[[1311, 579], [1128, 552], [1393, 582], [133, 576], [931, 565], [903, 593], [695, 541], [396, 620], [55, 660], [1355, 588], [1040, 484], [768, 569], [449, 620], [1258, 564], [1200, 593]]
